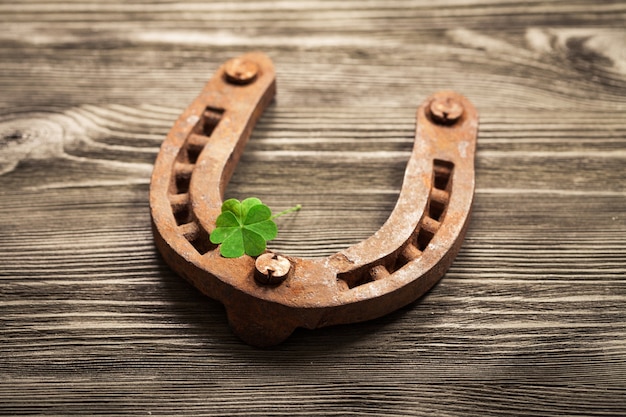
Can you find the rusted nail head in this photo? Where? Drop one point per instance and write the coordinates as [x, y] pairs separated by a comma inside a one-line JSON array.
[[445, 110], [240, 71], [271, 268]]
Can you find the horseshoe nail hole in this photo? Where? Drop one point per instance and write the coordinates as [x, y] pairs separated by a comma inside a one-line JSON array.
[[366, 274], [209, 121], [423, 239], [202, 243], [182, 183], [193, 152], [436, 209], [182, 214], [197, 236], [357, 279], [443, 172]]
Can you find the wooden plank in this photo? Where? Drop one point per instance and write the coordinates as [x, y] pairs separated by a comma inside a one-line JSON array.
[[530, 319]]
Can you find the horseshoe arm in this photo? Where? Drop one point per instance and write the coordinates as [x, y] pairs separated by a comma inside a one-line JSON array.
[[424, 233]]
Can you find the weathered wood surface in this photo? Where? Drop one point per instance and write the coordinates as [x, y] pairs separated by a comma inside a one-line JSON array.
[[531, 318]]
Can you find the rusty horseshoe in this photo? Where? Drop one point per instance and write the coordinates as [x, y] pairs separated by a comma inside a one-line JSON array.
[[268, 297]]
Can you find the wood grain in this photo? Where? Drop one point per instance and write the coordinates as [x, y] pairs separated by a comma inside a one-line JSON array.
[[529, 321]]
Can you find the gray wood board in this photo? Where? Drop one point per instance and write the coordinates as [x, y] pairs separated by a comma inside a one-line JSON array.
[[531, 318]]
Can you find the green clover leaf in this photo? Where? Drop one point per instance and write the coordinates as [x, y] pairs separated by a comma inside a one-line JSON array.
[[245, 227]]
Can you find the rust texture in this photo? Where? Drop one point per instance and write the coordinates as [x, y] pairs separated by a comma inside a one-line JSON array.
[[268, 297]]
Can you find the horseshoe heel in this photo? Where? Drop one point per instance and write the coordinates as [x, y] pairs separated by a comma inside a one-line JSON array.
[[268, 297]]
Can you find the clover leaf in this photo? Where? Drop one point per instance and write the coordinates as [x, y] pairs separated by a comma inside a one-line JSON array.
[[245, 227]]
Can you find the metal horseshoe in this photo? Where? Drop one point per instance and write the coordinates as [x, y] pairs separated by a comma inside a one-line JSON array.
[[268, 297]]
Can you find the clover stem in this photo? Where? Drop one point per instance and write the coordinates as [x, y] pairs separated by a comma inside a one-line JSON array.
[[296, 208]]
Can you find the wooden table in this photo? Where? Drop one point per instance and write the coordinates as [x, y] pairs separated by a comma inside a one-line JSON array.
[[529, 321]]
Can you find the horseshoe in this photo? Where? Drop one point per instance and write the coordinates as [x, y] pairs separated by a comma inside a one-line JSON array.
[[267, 298]]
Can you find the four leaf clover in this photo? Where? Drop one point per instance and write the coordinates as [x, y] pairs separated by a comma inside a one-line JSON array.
[[245, 227]]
